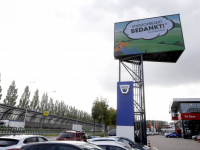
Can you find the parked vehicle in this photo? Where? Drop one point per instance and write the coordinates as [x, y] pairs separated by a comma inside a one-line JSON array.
[[194, 137], [77, 127], [198, 138], [73, 136], [16, 142], [119, 139], [173, 134], [112, 145], [112, 133], [60, 145], [166, 133], [12, 123], [156, 133], [151, 133]]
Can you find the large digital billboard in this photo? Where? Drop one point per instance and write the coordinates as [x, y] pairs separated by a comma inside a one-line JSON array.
[[158, 39]]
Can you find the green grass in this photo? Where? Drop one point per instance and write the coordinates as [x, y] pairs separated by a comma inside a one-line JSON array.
[[169, 38], [154, 47]]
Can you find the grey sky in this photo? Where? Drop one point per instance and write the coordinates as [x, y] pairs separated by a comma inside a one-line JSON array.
[[67, 47]]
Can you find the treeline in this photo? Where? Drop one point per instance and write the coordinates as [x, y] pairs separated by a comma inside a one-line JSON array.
[[102, 113], [58, 108]]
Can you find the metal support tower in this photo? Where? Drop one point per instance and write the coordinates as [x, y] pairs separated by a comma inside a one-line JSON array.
[[134, 66]]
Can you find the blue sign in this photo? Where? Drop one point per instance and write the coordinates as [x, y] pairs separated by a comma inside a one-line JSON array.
[[125, 109]]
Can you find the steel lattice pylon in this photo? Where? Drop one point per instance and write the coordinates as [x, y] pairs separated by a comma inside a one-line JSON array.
[[134, 66]]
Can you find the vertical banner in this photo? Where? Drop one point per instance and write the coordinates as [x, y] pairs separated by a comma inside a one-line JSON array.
[[125, 109]]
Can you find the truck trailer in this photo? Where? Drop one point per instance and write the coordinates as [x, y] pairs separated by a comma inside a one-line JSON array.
[[12, 123]]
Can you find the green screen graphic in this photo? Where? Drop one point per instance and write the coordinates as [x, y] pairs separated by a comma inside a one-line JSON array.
[[153, 35]]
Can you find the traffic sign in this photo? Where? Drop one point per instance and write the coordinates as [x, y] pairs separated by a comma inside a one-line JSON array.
[[46, 113]]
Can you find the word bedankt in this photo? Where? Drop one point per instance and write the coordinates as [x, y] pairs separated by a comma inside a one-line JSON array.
[[153, 27]]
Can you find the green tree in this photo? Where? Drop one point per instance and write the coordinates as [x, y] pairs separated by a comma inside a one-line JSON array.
[[11, 96], [44, 102], [34, 104], [67, 111], [50, 107], [61, 108], [75, 113], [81, 114], [56, 107], [71, 112], [0, 92], [24, 101], [87, 117], [96, 111], [113, 116], [105, 111]]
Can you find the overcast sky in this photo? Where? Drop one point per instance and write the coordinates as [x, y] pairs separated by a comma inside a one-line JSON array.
[[67, 46]]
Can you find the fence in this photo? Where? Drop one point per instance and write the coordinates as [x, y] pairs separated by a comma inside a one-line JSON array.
[[38, 131], [10, 131]]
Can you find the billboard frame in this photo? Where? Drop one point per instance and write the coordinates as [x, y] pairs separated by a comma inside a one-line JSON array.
[[171, 56]]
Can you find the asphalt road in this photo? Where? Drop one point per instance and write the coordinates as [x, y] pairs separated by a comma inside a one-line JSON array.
[[162, 143]]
